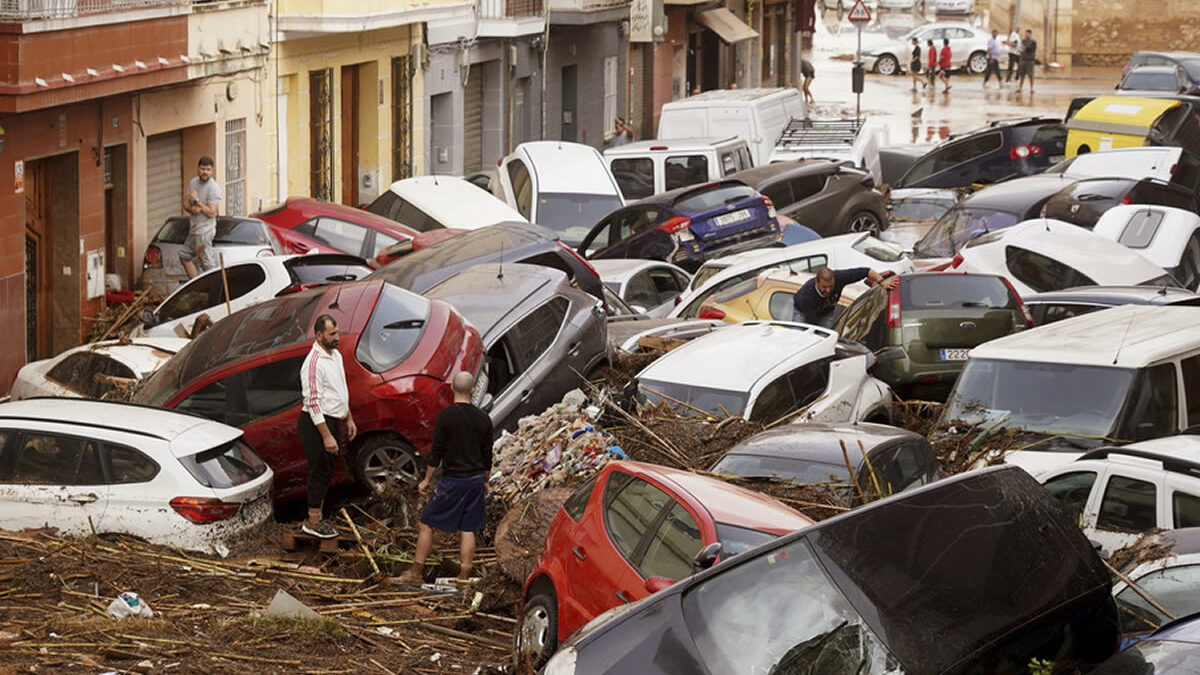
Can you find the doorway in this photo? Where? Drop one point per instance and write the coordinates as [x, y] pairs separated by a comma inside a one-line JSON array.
[[570, 81], [349, 114], [52, 259]]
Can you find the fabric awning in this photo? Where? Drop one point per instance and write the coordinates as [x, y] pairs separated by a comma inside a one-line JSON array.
[[727, 25]]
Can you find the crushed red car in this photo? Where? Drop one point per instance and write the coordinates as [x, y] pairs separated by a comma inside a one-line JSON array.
[[303, 224]]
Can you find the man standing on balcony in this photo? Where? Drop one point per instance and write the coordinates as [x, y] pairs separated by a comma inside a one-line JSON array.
[[201, 203]]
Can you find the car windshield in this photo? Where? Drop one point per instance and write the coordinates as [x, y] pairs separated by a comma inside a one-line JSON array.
[[734, 620], [1041, 397], [241, 232], [573, 215], [954, 229], [737, 540], [395, 327], [781, 468], [689, 400], [1152, 81], [1192, 68], [225, 466], [174, 231], [942, 291]]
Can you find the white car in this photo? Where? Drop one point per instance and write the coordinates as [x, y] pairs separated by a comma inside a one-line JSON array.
[[766, 371], [954, 6], [94, 466], [1048, 255], [1118, 493], [217, 293], [845, 250], [432, 202], [897, 4], [1166, 236], [1158, 162], [1173, 581], [93, 370], [650, 286], [566, 187], [968, 49]]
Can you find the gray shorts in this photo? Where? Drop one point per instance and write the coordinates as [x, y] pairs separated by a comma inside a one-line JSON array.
[[199, 247]]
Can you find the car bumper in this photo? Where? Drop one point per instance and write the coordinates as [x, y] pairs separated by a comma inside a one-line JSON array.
[[869, 61]]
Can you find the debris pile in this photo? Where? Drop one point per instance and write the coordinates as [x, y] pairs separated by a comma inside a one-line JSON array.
[[119, 320]]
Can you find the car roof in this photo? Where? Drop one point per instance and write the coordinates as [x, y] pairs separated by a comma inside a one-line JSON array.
[[800, 167], [1129, 336], [737, 96], [548, 158], [308, 207], [1153, 69], [666, 145], [619, 270], [484, 244], [738, 356], [453, 201], [1114, 295], [1023, 191], [819, 442], [126, 418], [487, 293], [671, 198], [725, 502]]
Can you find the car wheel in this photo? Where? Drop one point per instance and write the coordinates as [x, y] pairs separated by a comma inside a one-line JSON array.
[[388, 460], [536, 639], [864, 221], [977, 64], [887, 65]]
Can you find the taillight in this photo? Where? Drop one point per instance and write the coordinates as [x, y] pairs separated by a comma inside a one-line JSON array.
[[674, 225], [710, 313], [956, 260], [201, 510], [1173, 169], [1042, 213], [1024, 151], [1020, 302], [893, 318], [153, 257], [1126, 199], [770, 206]]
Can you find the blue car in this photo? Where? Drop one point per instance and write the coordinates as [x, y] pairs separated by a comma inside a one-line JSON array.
[[686, 226], [1173, 649]]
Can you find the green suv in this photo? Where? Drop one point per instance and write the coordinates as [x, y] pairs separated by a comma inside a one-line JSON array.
[[922, 330]]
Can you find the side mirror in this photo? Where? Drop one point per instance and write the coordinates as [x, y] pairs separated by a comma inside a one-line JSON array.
[[656, 584], [890, 354], [706, 558], [147, 317], [486, 403]]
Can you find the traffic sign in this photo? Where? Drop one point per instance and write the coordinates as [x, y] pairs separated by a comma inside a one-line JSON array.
[[859, 12]]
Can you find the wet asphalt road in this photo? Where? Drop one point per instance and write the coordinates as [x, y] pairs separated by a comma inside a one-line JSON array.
[[928, 116]]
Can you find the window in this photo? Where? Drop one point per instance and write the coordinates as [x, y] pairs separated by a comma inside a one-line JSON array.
[[383, 241], [631, 505], [395, 327], [1152, 410], [85, 373], [1191, 388], [791, 392], [534, 334], [1129, 505], [641, 291], [673, 546], [130, 466], [196, 296], [246, 232], [1185, 509], [210, 401], [703, 200], [909, 465], [779, 193], [862, 319], [272, 388], [1174, 588], [635, 177], [1042, 273], [522, 187], [577, 502], [956, 290], [1140, 230], [306, 270], [48, 459], [408, 214], [1072, 490], [685, 170], [225, 466], [345, 237], [1049, 313], [600, 239], [804, 187], [781, 306]]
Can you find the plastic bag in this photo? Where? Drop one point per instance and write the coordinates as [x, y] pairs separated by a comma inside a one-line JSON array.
[[129, 604]]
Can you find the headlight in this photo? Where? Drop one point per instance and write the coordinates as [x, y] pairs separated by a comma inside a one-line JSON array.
[[562, 663]]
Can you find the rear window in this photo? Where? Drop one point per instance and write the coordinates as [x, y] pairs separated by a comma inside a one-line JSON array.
[[174, 231], [394, 329], [696, 202], [1140, 229], [781, 468], [245, 232], [1154, 81], [687, 399], [573, 215], [225, 466], [1042, 273], [952, 291], [954, 229], [1039, 134]]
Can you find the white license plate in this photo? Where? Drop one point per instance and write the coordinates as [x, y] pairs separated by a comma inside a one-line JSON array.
[[732, 217], [955, 354]]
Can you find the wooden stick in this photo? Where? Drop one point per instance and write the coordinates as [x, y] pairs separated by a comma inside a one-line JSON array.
[[358, 538], [286, 662], [870, 469], [850, 468], [381, 667], [225, 284], [1138, 589]]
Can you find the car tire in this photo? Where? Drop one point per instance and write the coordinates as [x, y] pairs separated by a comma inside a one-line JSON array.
[[977, 63], [385, 460], [537, 634], [887, 65], [864, 221]]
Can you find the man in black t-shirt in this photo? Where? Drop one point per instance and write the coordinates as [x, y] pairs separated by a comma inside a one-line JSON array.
[[462, 446], [817, 299]]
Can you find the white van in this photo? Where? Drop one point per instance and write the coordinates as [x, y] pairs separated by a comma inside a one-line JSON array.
[[432, 202], [646, 168], [1128, 373], [758, 116], [564, 186]]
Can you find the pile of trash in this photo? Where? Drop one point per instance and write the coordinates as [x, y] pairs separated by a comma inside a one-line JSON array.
[[557, 447]]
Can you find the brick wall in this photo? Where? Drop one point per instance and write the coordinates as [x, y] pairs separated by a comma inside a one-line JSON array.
[[1106, 32]]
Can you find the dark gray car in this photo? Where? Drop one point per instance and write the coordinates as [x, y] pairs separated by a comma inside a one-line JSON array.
[[822, 194], [541, 334]]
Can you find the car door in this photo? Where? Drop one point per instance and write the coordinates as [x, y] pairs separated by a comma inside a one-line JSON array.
[[206, 294], [813, 206], [1073, 489], [536, 374], [962, 42], [131, 495], [51, 479], [1129, 505], [863, 320]]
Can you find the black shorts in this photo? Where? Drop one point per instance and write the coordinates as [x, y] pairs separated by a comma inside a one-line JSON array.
[[807, 70], [915, 66]]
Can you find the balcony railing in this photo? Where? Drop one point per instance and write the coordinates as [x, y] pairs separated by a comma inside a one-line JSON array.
[[584, 5], [22, 10], [506, 9]]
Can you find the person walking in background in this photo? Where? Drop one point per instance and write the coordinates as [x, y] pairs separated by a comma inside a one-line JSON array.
[[944, 64], [932, 61], [914, 65], [1013, 44], [325, 404], [808, 73], [1028, 60], [462, 446], [201, 203], [993, 59]]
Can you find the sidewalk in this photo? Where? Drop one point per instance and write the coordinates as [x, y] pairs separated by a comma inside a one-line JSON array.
[[1090, 73]]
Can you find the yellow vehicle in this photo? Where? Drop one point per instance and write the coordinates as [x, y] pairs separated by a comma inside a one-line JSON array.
[[766, 297], [1109, 122]]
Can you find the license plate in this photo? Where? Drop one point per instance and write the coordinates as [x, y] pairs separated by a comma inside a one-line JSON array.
[[955, 354], [732, 217]]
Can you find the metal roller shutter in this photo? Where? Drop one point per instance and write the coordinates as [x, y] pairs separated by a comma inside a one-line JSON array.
[[164, 179], [637, 93], [473, 121]]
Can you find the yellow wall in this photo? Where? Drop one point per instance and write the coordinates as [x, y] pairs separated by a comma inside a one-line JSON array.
[[289, 69]]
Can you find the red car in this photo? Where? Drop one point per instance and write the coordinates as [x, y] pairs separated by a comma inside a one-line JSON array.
[[423, 239], [400, 351], [633, 530], [303, 224]]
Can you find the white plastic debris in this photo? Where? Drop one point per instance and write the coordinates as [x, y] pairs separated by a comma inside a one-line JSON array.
[[129, 604], [285, 605]]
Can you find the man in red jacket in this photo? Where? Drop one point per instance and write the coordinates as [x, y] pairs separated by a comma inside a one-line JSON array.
[[944, 64]]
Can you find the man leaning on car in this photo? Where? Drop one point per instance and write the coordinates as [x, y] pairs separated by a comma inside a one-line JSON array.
[[817, 299]]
